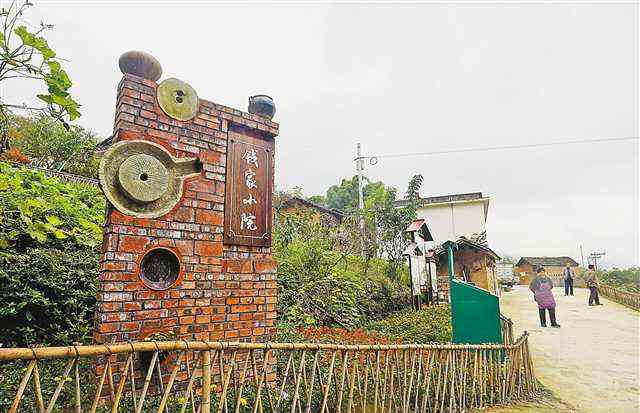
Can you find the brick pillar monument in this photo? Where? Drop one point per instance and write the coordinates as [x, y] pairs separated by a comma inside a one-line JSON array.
[[187, 236]]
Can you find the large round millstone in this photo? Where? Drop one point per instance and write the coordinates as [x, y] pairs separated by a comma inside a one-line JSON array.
[[140, 178], [143, 178]]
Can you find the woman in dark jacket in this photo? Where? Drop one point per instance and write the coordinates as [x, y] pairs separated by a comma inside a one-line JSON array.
[[541, 286]]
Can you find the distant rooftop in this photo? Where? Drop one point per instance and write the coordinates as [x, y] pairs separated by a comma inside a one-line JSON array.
[[443, 199], [548, 261], [289, 202]]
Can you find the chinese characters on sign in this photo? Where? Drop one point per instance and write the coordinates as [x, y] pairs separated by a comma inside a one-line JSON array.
[[249, 188], [248, 219]]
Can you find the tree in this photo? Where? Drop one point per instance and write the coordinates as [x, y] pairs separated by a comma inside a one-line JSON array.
[[51, 146], [344, 197], [391, 221], [25, 54]]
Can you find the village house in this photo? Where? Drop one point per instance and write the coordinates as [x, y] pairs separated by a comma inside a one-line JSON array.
[[460, 218], [473, 262], [452, 216], [553, 267], [316, 212]]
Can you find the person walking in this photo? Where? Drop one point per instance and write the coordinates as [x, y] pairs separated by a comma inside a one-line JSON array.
[[592, 283], [568, 280], [541, 287]]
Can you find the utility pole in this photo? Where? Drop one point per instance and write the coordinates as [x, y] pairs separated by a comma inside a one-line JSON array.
[[582, 256], [359, 168]]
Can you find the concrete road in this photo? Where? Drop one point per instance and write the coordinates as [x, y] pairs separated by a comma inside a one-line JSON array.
[[593, 361]]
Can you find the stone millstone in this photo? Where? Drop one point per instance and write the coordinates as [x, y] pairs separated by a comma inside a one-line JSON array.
[[143, 178], [177, 99]]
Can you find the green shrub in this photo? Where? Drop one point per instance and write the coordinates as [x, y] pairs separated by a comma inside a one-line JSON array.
[[319, 285], [36, 211], [431, 325], [625, 280], [48, 296]]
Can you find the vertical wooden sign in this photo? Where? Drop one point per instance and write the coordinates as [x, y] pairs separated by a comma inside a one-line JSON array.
[[249, 189]]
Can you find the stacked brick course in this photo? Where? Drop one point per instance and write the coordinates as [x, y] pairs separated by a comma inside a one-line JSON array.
[[224, 293]]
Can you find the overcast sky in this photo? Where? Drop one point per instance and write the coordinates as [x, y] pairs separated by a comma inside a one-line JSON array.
[[403, 78]]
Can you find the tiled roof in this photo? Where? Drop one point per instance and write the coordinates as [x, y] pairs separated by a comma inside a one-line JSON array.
[[548, 261], [443, 199], [312, 204], [464, 241]]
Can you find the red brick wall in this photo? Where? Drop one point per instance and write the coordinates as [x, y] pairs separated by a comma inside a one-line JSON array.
[[225, 293]]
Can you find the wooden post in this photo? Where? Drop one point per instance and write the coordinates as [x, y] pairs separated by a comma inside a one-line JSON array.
[[206, 381]]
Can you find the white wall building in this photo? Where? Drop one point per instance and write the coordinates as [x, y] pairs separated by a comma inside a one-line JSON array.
[[451, 216]]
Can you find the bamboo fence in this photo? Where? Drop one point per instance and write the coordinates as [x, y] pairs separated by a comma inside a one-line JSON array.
[[205, 377], [631, 300], [506, 326]]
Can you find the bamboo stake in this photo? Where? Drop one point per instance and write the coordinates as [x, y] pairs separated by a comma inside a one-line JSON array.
[[377, 383], [58, 389], [352, 381], [263, 378], [298, 379], [160, 381], [205, 407], [284, 379], [221, 373], [367, 368], [410, 386], [452, 393], [112, 393], [77, 382], [255, 379], [313, 377], [463, 402], [189, 392], [328, 385], [428, 373], [133, 386], [225, 381], [147, 380], [342, 379], [394, 372], [23, 384], [96, 399], [243, 378], [172, 377], [38, 389], [123, 381]]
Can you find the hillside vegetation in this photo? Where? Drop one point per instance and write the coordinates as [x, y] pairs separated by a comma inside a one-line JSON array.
[[50, 234]]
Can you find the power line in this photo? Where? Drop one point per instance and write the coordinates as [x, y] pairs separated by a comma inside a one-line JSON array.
[[505, 147]]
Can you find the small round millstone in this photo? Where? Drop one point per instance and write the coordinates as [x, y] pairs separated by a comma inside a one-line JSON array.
[[177, 99], [143, 178]]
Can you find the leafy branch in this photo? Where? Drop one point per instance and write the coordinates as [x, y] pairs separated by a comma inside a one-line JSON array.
[[26, 54]]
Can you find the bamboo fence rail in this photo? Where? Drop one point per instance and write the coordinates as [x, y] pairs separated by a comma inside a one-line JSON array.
[[506, 326], [631, 300], [205, 377]]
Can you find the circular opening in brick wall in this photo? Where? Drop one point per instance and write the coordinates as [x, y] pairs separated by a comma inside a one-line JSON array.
[[159, 269]]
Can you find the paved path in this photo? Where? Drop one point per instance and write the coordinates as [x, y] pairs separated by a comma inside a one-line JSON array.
[[593, 361]]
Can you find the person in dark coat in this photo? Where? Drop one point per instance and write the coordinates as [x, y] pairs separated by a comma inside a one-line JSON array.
[[541, 287], [592, 283], [568, 280]]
